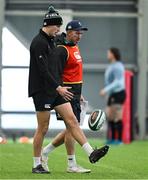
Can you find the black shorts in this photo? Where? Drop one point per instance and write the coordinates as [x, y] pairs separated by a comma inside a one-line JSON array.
[[117, 98], [43, 102], [75, 103]]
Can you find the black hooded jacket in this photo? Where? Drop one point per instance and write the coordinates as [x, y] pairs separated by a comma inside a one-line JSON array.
[[45, 71]]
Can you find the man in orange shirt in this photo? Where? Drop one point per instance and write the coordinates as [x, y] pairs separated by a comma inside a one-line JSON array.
[[69, 55]]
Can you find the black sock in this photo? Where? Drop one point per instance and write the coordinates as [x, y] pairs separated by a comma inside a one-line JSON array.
[[109, 130], [113, 131], [119, 128], [112, 125]]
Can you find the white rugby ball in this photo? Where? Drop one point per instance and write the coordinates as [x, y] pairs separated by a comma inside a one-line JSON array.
[[96, 119]]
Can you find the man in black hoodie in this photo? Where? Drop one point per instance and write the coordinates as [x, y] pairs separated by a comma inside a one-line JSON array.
[[45, 80]]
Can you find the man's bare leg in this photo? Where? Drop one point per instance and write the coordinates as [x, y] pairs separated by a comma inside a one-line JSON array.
[[69, 143], [43, 122], [57, 141], [63, 137], [66, 112], [66, 137]]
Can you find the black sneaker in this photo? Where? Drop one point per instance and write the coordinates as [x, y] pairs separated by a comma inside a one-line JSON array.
[[39, 170], [98, 154]]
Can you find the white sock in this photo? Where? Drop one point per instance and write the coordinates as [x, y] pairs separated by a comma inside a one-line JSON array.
[[48, 149], [71, 161], [87, 148], [36, 161]]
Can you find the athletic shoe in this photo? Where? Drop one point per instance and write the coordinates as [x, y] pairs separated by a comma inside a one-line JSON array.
[[44, 161], [117, 142], [39, 170], [110, 141], [98, 154], [77, 169]]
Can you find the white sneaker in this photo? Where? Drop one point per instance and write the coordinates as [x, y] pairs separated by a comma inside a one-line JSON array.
[[77, 169], [44, 162]]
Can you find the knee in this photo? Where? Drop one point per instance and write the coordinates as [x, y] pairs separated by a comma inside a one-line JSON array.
[[72, 121], [111, 116], [43, 129]]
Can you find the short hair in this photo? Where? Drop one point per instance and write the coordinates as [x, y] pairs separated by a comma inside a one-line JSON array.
[[116, 52]]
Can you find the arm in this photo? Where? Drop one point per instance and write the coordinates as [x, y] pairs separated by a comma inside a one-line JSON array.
[[117, 81], [42, 63], [61, 56]]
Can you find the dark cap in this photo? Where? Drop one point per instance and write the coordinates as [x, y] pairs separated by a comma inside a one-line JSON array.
[[52, 17], [75, 25]]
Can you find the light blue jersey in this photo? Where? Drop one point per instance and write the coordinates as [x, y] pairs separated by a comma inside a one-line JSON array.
[[114, 78]]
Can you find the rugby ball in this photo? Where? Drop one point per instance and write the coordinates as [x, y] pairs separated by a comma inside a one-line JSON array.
[[96, 119]]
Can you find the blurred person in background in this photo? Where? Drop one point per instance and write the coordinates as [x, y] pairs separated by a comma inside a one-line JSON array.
[[115, 89]]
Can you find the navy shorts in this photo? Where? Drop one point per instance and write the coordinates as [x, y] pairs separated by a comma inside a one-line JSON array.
[[75, 103]]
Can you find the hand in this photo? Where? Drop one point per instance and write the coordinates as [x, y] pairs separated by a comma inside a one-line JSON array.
[[102, 92], [63, 91]]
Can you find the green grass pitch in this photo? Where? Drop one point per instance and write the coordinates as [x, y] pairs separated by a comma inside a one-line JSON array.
[[122, 162]]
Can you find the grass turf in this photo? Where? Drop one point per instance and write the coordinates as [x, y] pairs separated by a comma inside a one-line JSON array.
[[122, 162]]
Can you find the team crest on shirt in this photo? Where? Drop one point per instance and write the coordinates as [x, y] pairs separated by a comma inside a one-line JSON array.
[[77, 56]]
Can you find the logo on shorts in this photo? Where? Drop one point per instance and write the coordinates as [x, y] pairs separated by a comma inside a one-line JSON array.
[[47, 106]]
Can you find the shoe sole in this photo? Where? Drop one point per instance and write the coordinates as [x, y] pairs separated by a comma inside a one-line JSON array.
[[104, 151], [79, 172], [41, 172]]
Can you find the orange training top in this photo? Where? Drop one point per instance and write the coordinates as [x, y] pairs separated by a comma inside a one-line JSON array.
[[73, 71]]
